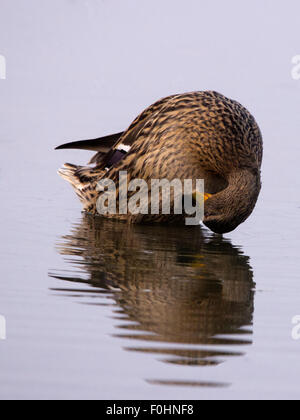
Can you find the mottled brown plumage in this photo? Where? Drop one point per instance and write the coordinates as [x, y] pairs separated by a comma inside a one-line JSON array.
[[198, 135]]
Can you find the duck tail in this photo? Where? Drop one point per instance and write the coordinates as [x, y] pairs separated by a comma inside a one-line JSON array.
[[84, 181]]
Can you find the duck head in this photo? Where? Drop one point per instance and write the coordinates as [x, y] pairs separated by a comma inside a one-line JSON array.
[[226, 210]]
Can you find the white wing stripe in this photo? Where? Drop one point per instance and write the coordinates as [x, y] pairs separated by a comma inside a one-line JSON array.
[[123, 148]]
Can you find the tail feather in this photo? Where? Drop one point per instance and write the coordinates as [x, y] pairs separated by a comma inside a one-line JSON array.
[[68, 172], [84, 181]]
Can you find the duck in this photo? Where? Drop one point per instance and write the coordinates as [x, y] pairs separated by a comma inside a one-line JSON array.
[[196, 135]]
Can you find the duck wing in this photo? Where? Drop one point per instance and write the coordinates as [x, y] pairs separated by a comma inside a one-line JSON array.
[[126, 140], [112, 148]]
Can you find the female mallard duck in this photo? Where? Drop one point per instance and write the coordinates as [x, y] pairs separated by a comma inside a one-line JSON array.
[[198, 135]]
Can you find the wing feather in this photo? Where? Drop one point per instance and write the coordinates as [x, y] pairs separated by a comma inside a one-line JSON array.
[[112, 148]]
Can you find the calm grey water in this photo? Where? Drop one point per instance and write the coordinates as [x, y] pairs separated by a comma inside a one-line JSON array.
[[97, 309]]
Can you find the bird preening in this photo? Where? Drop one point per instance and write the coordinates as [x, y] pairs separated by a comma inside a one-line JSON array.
[[194, 136]]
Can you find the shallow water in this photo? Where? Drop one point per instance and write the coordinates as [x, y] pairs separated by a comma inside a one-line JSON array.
[[99, 309]]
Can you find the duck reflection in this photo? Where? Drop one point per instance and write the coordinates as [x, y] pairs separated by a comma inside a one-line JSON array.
[[177, 289]]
